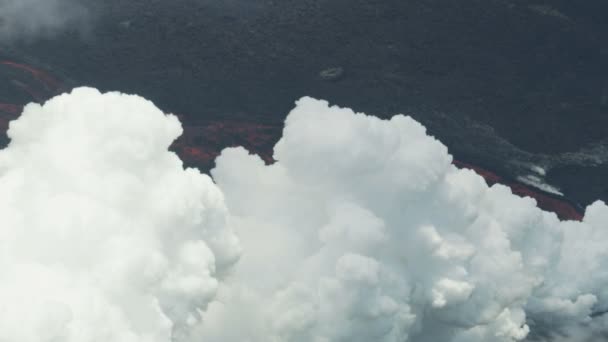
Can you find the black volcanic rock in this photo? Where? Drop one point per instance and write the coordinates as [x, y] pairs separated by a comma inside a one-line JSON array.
[[203, 140], [505, 84]]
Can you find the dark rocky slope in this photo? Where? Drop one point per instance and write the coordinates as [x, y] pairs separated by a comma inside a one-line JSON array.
[[507, 85]]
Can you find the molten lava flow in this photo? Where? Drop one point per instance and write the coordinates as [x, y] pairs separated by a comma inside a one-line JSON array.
[[546, 201], [202, 142], [24, 84], [563, 209], [50, 83], [10, 109]]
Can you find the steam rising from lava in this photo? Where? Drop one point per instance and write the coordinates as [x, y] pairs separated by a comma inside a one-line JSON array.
[[104, 235], [362, 230]]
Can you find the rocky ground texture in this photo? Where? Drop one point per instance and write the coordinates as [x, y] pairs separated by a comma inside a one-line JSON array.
[[513, 86]]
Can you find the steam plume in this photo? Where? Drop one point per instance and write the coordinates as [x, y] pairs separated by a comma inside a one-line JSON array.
[[104, 235], [362, 230]]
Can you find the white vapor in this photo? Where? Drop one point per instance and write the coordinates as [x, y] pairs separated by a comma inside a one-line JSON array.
[[364, 231], [361, 231], [29, 19], [104, 236]]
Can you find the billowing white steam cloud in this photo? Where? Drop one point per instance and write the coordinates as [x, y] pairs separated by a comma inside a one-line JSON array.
[[364, 231], [361, 231], [26, 19], [104, 236]]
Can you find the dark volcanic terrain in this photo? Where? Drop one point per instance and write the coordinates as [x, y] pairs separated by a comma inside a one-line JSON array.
[[203, 140], [517, 87]]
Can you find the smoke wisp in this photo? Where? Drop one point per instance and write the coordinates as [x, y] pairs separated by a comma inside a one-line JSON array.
[[31, 19]]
